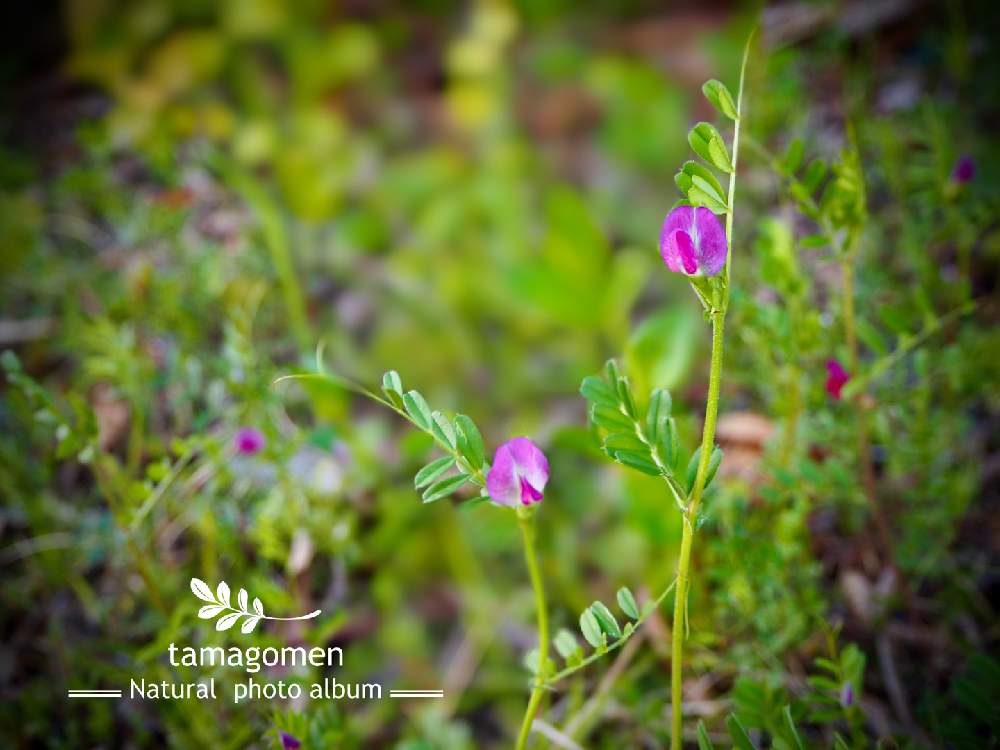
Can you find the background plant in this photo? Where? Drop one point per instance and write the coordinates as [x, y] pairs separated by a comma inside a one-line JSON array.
[[468, 196]]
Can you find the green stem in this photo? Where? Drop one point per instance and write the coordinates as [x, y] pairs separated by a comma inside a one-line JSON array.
[[525, 519], [690, 518], [790, 438], [850, 336], [736, 156]]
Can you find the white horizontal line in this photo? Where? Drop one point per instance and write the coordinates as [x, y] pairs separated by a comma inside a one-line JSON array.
[[95, 690], [94, 695], [416, 694]]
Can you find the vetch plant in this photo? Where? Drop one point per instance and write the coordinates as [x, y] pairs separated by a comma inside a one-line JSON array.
[[692, 242], [516, 479]]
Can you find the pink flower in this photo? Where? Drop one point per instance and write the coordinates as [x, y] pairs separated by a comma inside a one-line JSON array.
[[693, 242], [836, 378], [519, 473], [249, 441], [964, 170]]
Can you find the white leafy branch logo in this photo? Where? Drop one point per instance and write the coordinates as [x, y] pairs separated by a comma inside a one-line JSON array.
[[220, 602]]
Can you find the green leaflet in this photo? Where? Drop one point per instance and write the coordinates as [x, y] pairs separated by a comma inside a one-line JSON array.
[[717, 93], [708, 144], [432, 471]]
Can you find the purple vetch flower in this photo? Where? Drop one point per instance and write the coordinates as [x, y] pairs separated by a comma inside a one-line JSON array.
[[847, 695], [693, 242], [964, 170], [836, 378], [519, 473], [249, 441], [289, 742]]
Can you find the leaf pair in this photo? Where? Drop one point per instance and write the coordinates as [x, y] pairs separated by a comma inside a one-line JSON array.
[[648, 445], [598, 624], [706, 141], [701, 187], [697, 182], [459, 437]]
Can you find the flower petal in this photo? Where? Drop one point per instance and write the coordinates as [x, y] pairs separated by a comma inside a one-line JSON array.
[[710, 240], [530, 462], [502, 482], [686, 251], [529, 494], [679, 219]]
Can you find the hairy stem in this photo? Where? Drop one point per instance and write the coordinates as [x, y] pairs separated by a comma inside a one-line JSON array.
[[732, 175], [525, 520], [718, 317], [690, 519]]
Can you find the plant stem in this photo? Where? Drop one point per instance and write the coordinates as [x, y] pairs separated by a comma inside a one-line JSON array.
[[794, 407], [853, 363], [868, 481], [847, 282], [690, 519], [525, 520], [736, 156], [690, 515]]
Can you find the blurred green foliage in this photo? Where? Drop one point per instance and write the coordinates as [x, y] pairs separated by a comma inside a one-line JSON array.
[[472, 197]]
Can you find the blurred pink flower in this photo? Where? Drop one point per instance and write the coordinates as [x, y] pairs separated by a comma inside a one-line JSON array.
[[847, 695], [693, 242], [836, 378], [519, 473], [964, 170], [249, 441]]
